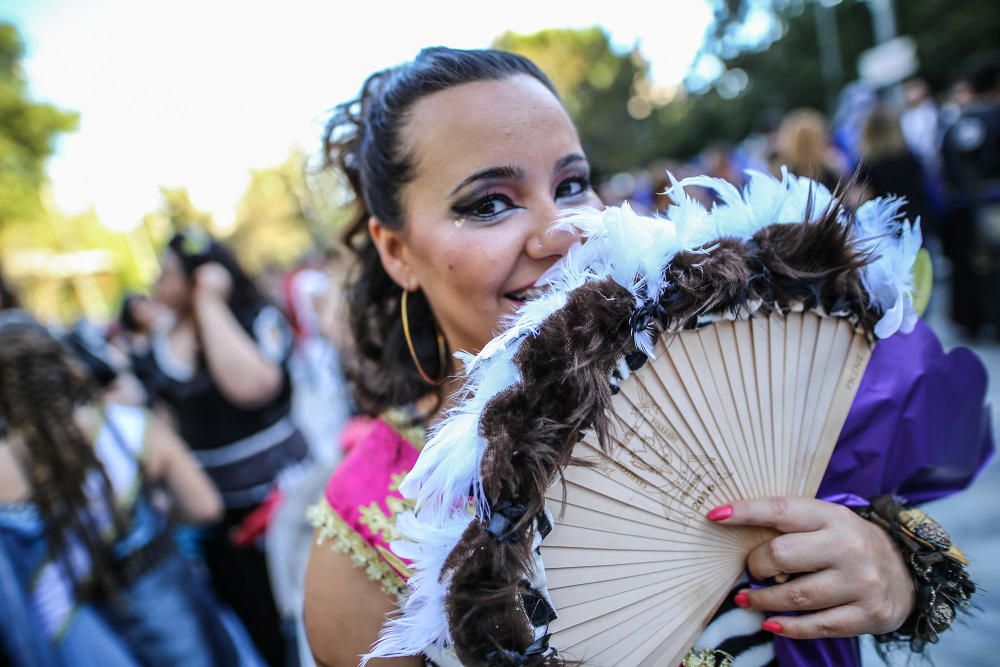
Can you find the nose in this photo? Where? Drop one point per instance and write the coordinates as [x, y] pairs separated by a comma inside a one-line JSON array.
[[545, 241]]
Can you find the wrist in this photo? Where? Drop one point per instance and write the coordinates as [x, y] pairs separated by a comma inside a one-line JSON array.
[[941, 583]]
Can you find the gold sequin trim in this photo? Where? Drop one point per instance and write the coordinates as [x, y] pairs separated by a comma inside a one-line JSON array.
[[402, 422], [707, 658], [346, 540]]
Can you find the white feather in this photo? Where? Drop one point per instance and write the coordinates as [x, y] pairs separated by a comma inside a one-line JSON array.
[[422, 620], [634, 251], [894, 243]]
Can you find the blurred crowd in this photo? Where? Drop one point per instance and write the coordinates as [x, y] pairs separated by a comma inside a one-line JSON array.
[[213, 406], [940, 152]]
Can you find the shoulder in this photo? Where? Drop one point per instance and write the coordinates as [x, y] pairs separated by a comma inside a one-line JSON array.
[[361, 501]]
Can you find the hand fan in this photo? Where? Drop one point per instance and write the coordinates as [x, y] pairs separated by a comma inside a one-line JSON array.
[[735, 409], [672, 365]]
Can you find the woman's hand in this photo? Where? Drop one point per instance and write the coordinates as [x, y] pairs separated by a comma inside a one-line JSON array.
[[851, 575], [212, 280]]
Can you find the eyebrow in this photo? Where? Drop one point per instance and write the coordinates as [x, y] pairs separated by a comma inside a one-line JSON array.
[[512, 173]]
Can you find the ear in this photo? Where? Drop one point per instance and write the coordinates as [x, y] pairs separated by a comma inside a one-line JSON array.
[[392, 252]]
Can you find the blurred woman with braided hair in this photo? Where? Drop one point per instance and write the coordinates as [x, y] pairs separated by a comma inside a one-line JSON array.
[[89, 574]]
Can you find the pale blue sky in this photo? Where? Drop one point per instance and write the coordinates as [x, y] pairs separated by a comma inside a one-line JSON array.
[[198, 92]]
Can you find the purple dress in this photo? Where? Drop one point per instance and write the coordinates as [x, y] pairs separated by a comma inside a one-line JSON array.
[[919, 427]]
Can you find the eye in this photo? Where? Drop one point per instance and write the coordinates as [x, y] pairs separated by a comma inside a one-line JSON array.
[[573, 187], [486, 208]]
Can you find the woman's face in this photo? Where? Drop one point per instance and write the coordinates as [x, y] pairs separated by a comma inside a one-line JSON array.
[[494, 163], [172, 288]]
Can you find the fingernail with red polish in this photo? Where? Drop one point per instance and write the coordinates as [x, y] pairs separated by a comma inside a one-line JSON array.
[[721, 513], [772, 626], [742, 600]]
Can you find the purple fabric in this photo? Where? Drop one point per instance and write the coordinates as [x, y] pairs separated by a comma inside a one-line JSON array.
[[919, 428]]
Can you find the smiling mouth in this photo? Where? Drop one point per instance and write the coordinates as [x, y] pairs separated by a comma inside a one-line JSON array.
[[525, 294]]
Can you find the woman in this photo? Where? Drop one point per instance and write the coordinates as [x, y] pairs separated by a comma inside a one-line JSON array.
[[90, 575], [460, 161], [220, 368], [803, 145], [889, 168]]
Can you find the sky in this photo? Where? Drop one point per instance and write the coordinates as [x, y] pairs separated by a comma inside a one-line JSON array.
[[196, 93]]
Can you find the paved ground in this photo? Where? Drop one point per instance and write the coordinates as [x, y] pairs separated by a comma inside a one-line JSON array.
[[973, 519]]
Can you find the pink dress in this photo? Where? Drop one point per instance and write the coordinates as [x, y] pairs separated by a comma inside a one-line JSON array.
[[358, 510]]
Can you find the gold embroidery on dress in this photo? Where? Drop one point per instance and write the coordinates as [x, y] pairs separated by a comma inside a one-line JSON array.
[[345, 539]]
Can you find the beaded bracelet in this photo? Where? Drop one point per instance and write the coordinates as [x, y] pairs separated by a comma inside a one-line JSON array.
[[938, 567]]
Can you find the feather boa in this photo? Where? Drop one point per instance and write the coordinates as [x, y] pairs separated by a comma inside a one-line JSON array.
[[634, 251]]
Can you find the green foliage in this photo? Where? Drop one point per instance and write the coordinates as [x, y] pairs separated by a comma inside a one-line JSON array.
[[785, 74], [28, 131], [286, 212], [596, 85], [180, 213]]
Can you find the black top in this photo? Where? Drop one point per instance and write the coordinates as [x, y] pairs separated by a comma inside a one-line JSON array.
[[971, 150], [901, 175], [205, 418]]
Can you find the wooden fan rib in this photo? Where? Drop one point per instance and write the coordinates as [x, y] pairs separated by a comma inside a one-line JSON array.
[[760, 331], [793, 335], [726, 334], [583, 514], [608, 644], [677, 369], [702, 349], [676, 512], [779, 446], [657, 640], [745, 353], [588, 620], [671, 499], [582, 576], [649, 582], [681, 431], [839, 334], [859, 353]]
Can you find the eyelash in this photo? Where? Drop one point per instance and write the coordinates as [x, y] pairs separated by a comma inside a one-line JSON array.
[[468, 210]]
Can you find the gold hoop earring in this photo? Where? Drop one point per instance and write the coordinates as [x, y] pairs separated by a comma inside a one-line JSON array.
[[442, 354]]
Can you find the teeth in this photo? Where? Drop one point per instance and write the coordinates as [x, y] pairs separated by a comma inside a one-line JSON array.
[[526, 295]]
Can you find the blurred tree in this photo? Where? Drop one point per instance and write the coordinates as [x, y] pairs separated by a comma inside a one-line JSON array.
[[180, 212], [28, 132], [606, 93], [287, 211], [772, 46]]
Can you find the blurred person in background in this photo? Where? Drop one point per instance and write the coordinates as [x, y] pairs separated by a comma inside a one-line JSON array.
[[89, 574], [889, 168], [219, 364], [321, 407], [971, 234], [855, 102], [803, 145], [8, 296], [136, 320], [919, 123]]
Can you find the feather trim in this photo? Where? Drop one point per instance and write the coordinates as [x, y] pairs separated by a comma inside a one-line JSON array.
[[636, 252]]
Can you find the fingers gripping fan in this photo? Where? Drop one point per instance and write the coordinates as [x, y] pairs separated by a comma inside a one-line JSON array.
[[671, 366]]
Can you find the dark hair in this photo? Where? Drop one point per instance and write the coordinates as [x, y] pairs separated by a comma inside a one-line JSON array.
[[363, 141], [126, 316], [196, 248], [8, 296], [983, 72], [40, 387]]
